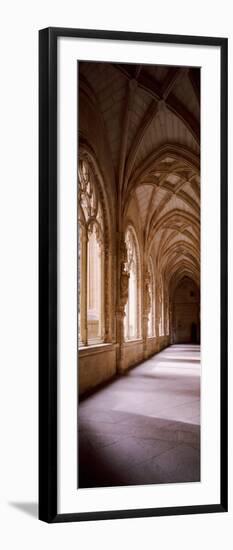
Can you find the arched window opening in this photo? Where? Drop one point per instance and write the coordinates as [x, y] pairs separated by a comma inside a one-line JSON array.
[[151, 290], [132, 317], [90, 260], [94, 288]]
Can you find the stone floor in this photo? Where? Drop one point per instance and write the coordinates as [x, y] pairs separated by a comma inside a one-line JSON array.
[[144, 427]]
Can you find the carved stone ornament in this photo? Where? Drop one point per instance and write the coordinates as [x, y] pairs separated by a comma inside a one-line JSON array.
[[123, 252], [124, 286], [147, 299], [124, 275]]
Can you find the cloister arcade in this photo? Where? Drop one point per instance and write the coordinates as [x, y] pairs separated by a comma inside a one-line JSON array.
[[138, 213]]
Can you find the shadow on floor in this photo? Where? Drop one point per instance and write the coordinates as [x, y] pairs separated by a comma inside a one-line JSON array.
[[29, 508], [136, 450]]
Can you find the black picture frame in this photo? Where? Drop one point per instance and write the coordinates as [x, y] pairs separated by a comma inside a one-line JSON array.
[[48, 275]]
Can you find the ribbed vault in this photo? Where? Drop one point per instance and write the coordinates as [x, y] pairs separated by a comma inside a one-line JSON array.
[[150, 119]]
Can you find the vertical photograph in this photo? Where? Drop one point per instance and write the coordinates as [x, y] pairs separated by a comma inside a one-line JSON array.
[[138, 274]]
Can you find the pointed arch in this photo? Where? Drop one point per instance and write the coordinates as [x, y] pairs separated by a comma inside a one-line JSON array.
[[94, 255], [132, 324]]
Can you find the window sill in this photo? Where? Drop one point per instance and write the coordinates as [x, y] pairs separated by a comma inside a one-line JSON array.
[[133, 341], [95, 348]]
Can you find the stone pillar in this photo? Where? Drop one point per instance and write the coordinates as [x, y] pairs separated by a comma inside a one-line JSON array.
[[83, 294], [146, 309], [102, 297], [122, 297], [171, 328], [157, 317], [107, 289]]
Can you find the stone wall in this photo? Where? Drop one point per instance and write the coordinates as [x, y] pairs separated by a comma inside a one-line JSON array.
[[154, 345], [132, 354], [95, 365]]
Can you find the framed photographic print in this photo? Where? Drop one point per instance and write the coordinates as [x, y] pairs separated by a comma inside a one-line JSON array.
[[133, 274]]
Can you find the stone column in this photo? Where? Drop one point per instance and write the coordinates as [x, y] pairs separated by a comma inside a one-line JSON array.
[[122, 297], [83, 293], [107, 288], [146, 308], [171, 328], [158, 316], [102, 297]]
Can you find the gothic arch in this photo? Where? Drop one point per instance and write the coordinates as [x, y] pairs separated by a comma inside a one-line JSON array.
[[105, 236]]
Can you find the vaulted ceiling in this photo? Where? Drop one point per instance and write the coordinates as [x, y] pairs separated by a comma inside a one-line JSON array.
[[151, 116]]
